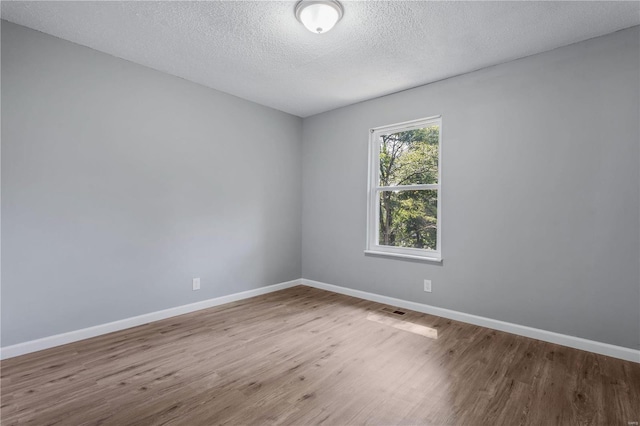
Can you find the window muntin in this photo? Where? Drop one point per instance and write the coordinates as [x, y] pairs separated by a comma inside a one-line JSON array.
[[404, 215]]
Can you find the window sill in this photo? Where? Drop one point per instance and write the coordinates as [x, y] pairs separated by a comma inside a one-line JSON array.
[[404, 256]]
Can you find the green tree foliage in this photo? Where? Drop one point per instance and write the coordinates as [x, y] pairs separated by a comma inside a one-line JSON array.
[[408, 218]]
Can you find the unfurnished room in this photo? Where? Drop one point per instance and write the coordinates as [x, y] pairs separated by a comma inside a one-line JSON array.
[[320, 212]]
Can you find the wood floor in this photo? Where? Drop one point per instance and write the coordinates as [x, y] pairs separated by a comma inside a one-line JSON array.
[[306, 356]]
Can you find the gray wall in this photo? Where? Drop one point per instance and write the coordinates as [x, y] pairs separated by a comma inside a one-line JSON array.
[[120, 184], [540, 192]]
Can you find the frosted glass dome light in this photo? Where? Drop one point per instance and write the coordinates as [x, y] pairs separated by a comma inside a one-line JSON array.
[[318, 16]]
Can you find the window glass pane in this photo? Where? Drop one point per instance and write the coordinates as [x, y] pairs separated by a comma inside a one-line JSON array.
[[409, 157], [408, 219]]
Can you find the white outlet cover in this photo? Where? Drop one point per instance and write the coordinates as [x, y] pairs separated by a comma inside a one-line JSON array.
[[196, 284], [427, 286]]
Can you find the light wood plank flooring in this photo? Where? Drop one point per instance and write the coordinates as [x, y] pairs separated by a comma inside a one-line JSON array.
[[307, 356]]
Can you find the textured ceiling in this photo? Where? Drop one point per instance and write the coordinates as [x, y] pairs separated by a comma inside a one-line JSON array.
[[258, 51]]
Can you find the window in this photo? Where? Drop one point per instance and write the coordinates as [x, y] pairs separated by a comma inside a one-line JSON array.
[[404, 217]]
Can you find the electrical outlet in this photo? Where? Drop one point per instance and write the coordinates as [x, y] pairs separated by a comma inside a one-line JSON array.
[[427, 286], [196, 284]]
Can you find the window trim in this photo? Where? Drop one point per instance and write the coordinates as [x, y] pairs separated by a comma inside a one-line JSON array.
[[373, 199]]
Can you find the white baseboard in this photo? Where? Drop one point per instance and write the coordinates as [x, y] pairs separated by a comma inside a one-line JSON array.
[[86, 333], [521, 330], [535, 333]]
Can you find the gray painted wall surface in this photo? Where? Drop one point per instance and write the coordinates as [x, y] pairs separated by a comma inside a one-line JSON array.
[[540, 192], [120, 184], [115, 191]]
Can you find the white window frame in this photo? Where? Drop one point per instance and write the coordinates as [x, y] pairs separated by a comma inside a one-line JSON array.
[[373, 190]]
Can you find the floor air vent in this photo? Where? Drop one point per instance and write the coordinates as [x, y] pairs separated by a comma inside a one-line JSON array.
[[392, 311]]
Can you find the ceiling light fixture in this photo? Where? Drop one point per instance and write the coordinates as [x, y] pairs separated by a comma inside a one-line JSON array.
[[319, 16]]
